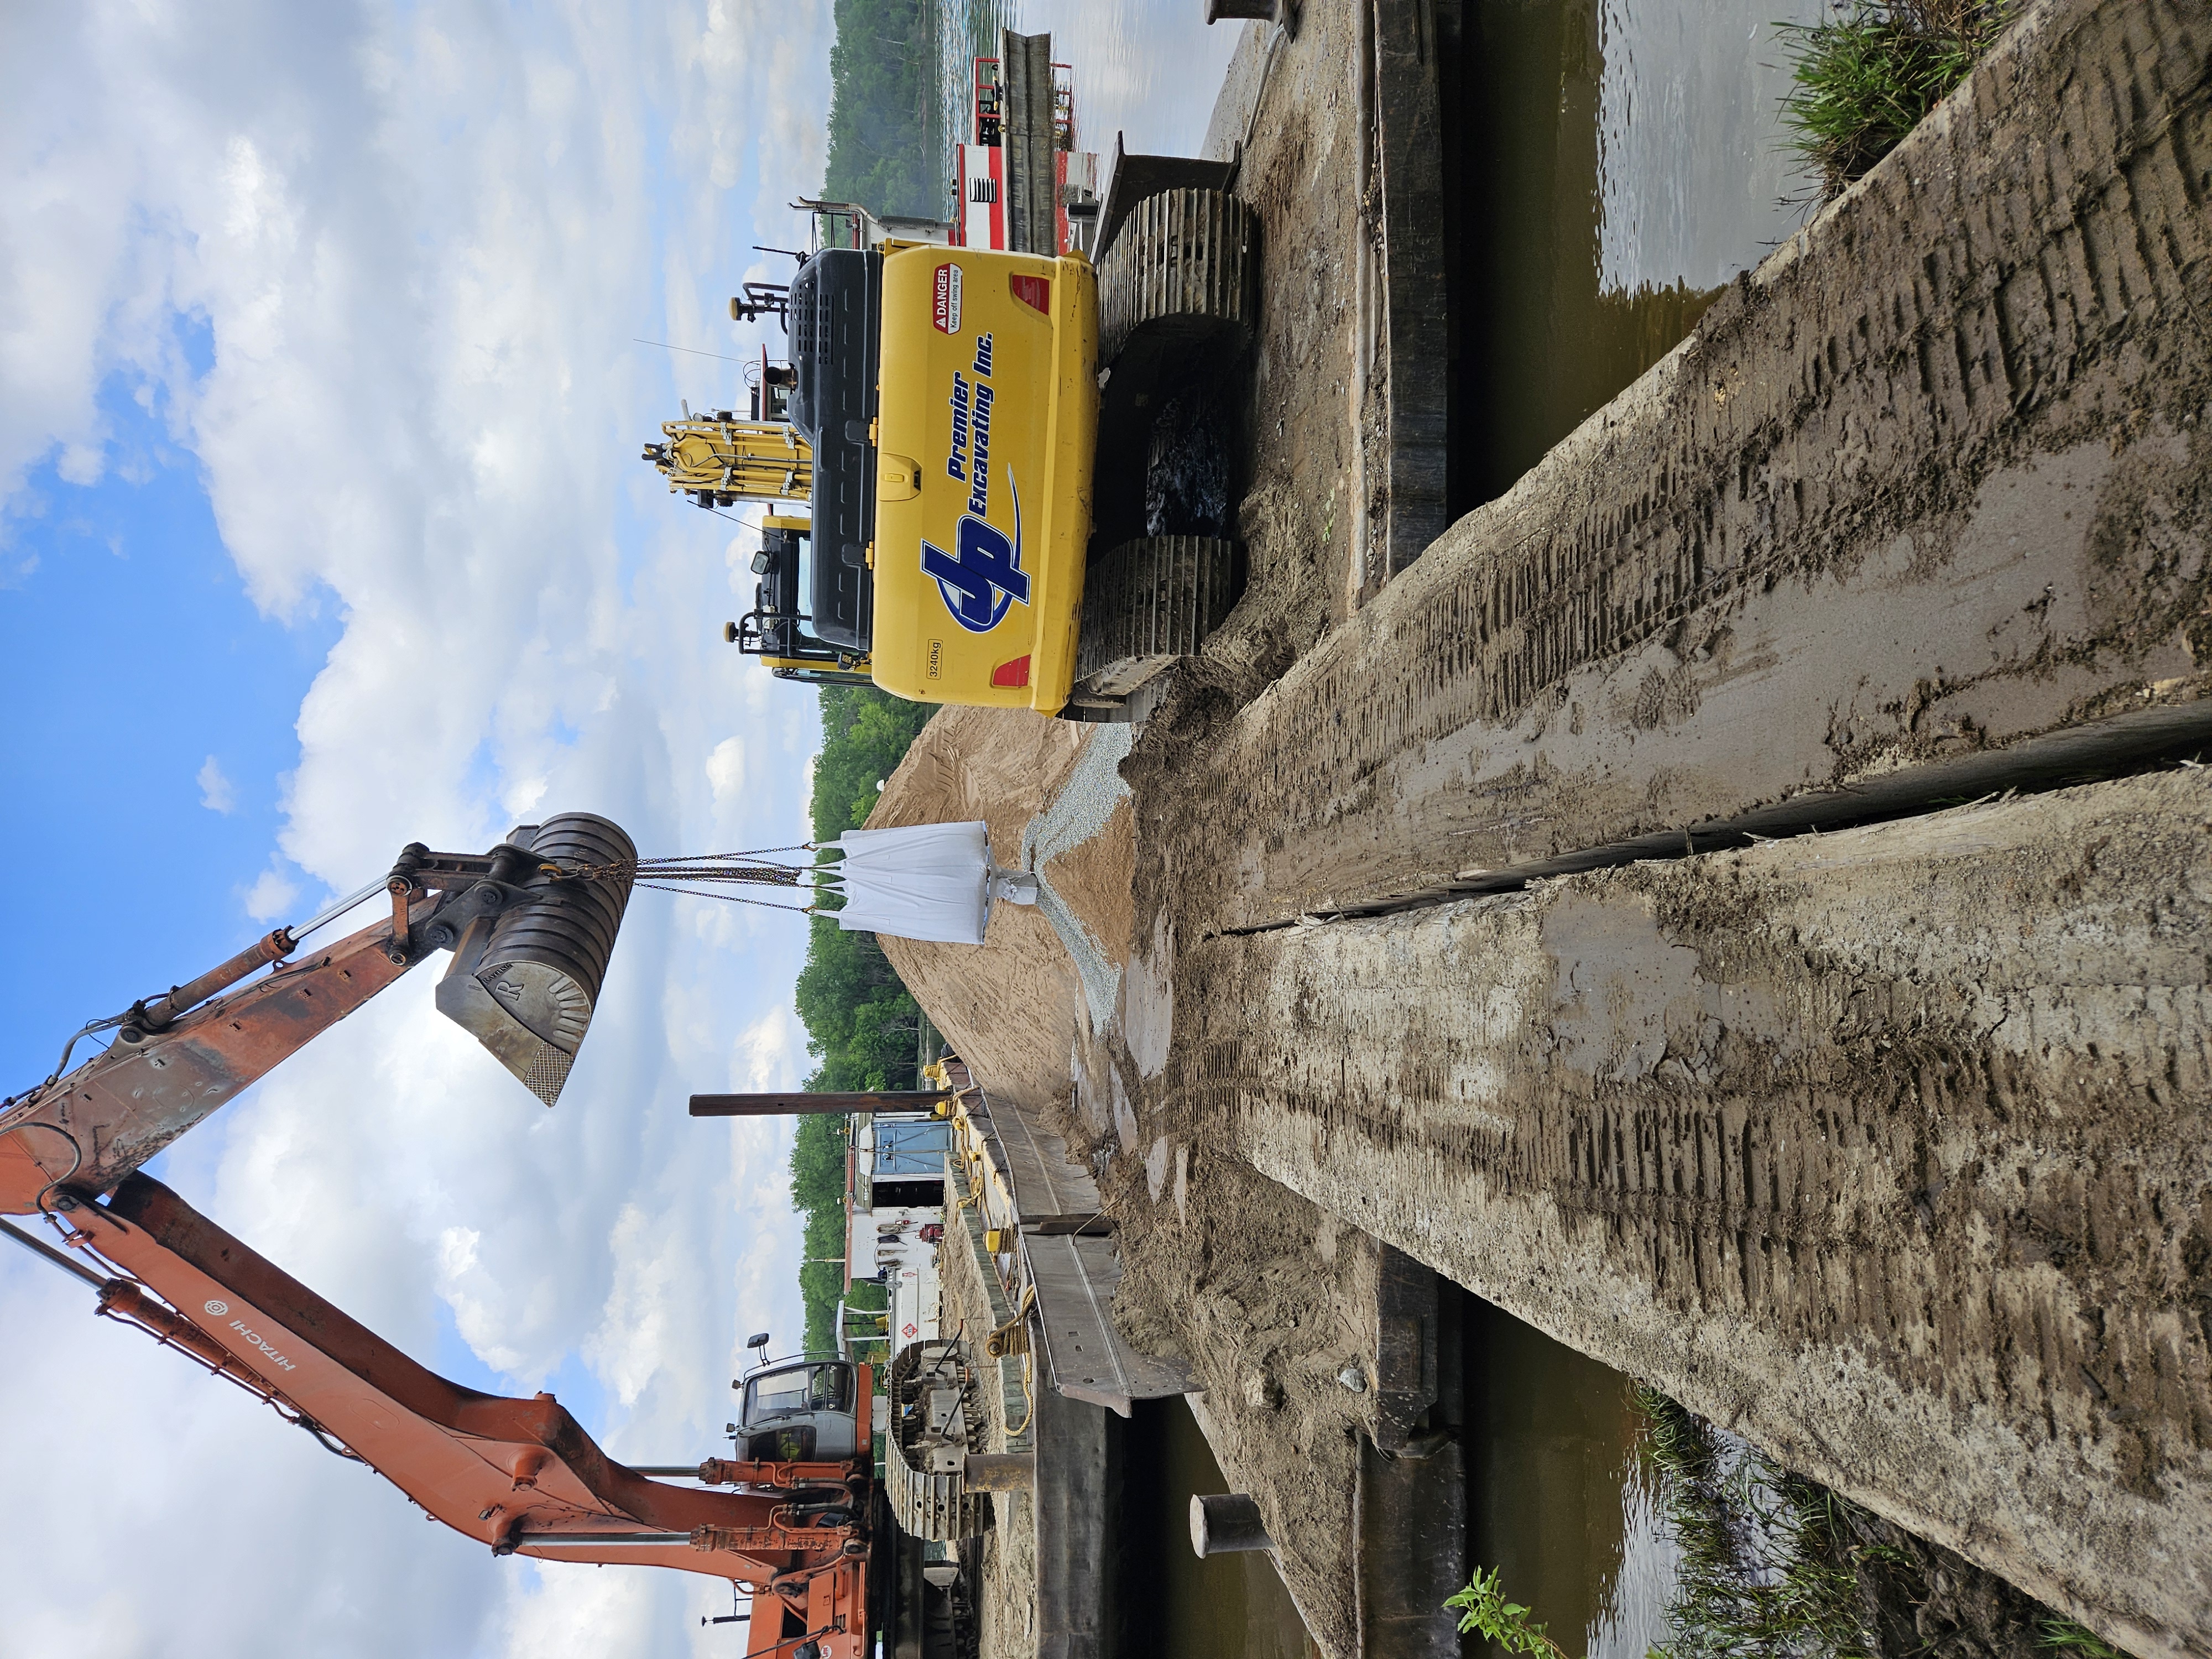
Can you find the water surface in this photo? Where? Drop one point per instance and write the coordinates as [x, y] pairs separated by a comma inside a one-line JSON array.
[[1560, 1499], [1229, 1607], [1614, 163]]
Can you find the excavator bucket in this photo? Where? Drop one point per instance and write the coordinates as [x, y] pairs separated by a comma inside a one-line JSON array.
[[525, 979]]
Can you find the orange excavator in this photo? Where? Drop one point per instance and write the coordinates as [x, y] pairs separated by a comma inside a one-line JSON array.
[[531, 925]]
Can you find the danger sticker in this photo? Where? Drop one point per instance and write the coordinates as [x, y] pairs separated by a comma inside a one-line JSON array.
[[945, 308]]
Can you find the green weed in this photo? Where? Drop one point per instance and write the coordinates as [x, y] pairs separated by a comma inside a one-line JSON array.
[[2064, 1635], [1765, 1573], [1866, 77], [1483, 1608], [1772, 1565]]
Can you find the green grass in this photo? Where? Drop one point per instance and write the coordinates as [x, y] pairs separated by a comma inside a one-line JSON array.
[[1865, 77], [2065, 1637], [1766, 1570]]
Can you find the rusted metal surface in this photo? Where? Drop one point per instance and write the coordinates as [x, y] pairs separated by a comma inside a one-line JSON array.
[[510, 1473], [161, 1012], [785, 1105], [126, 1303], [533, 942], [88, 1131]]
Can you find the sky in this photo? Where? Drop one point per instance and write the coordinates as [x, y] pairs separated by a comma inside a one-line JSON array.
[[323, 530]]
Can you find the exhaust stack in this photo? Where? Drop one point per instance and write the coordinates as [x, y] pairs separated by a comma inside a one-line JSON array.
[[524, 979]]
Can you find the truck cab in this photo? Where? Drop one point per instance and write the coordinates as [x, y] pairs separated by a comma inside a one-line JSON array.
[[800, 1410]]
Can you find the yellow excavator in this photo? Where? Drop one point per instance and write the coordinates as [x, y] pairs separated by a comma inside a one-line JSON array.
[[972, 428]]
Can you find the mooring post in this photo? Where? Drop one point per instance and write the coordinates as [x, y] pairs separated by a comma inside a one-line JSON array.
[[1223, 1522]]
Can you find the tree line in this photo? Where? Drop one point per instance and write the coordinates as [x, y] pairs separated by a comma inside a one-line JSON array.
[[885, 152], [863, 1026]]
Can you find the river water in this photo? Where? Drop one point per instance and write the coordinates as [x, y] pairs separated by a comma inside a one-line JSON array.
[[1149, 69], [1560, 1500], [1228, 1606], [1617, 162]]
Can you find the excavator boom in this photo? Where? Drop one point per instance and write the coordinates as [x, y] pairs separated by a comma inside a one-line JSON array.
[[531, 925], [519, 1476], [87, 1130]]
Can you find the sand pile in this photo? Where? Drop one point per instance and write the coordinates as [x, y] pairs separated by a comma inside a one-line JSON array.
[[1014, 1007]]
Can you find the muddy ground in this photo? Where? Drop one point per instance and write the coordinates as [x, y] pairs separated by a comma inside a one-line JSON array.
[[972, 763], [1927, 491], [1265, 1294], [1920, 500]]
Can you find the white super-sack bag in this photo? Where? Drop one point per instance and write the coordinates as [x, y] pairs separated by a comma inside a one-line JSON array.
[[926, 881]]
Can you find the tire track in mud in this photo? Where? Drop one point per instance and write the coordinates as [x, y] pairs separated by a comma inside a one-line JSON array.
[[1929, 484], [1890, 1149]]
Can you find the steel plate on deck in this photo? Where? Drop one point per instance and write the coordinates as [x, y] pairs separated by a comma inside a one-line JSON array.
[[1075, 1276]]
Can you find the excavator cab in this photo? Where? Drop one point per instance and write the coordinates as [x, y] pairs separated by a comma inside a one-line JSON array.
[[800, 1410], [771, 391], [776, 629]]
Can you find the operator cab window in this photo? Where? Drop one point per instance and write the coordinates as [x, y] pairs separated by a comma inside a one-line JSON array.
[[797, 1391]]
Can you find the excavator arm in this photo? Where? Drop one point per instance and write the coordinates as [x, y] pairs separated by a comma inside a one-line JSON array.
[[519, 1476], [531, 925], [84, 1133]]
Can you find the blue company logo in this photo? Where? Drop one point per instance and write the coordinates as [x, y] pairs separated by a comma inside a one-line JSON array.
[[984, 577]]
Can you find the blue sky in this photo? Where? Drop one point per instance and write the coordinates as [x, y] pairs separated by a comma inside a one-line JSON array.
[[151, 711], [322, 530]]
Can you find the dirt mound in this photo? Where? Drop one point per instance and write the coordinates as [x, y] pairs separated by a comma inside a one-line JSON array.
[[1011, 1007]]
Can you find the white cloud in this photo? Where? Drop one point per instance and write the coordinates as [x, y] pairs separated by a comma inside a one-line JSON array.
[[271, 895], [629, 1346], [726, 769], [522, 797], [768, 1053], [216, 792], [553, 1614], [414, 243]]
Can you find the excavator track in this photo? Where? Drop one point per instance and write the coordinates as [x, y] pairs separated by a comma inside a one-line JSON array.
[[1179, 273], [1176, 293], [1145, 604], [931, 1505]]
